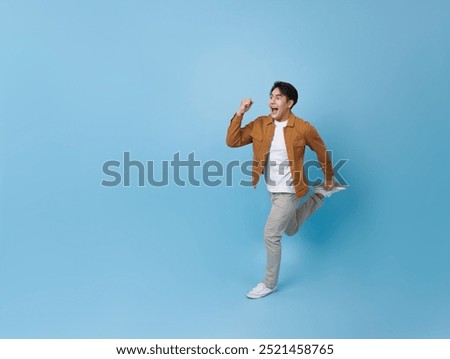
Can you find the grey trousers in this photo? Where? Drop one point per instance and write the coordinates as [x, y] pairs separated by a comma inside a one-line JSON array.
[[284, 217]]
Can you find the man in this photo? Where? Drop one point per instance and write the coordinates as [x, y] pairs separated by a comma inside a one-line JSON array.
[[279, 141]]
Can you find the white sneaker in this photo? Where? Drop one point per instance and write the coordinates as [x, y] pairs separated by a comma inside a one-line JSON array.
[[260, 291], [321, 190]]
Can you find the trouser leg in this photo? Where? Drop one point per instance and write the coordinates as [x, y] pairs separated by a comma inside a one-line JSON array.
[[281, 212], [302, 213]]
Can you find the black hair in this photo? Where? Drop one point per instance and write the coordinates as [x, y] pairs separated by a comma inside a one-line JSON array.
[[287, 90]]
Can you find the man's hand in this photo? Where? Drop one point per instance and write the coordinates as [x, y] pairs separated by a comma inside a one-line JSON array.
[[245, 106]]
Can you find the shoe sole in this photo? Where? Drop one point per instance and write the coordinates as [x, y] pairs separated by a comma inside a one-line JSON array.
[[338, 189], [325, 193], [260, 296]]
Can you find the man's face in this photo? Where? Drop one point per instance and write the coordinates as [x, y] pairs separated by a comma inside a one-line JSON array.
[[280, 106]]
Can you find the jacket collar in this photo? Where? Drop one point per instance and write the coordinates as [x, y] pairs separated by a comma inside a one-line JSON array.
[[291, 120]]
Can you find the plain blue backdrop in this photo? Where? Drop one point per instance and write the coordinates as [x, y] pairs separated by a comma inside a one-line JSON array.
[[82, 82]]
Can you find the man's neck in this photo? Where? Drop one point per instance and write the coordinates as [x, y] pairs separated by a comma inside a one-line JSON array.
[[285, 118]]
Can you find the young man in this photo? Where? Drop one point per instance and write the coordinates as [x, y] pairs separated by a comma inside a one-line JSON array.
[[279, 141]]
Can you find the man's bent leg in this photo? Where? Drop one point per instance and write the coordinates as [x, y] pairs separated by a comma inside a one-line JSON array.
[[283, 208], [302, 213]]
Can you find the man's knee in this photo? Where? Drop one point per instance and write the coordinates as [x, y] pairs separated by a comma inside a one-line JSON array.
[[290, 232], [272, 235]]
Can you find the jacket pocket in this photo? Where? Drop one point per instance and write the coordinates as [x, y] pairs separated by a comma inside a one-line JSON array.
[[259, 149], [257, 137], [258, 141], [299, 148], [299, 142]]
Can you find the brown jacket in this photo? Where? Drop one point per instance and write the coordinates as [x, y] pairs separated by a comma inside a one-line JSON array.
[[297, 134]]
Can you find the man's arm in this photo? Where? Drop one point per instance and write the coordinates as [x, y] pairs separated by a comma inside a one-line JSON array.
[[237, 136], [315, 142]]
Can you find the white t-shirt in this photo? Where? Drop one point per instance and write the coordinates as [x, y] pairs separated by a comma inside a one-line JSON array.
[[278, 172]]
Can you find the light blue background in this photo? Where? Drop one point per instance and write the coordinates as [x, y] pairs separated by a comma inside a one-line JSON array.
[[83, 81]]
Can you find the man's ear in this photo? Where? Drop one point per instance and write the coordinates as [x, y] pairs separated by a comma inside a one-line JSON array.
[[290, 104]]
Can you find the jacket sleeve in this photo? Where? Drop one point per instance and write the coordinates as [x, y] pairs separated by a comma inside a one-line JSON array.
[[315, 142], [237, 136]]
